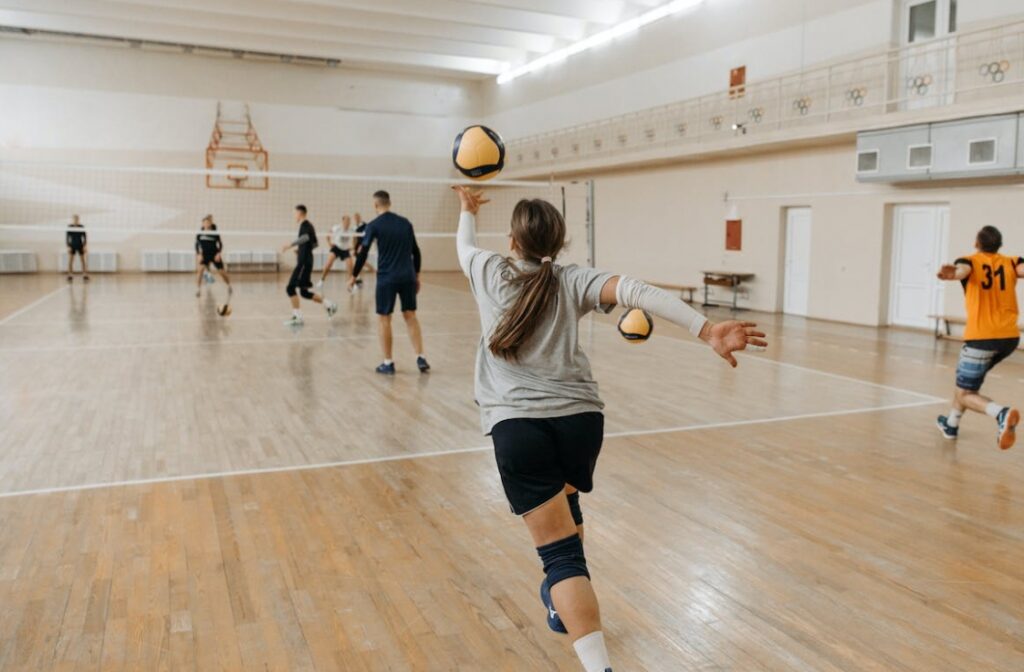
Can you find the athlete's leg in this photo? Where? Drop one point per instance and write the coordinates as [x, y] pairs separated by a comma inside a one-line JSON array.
[[327, 267], [384, 334], [71, 261], [200, 267], [574, 597], [412, 323], [218, 263], [84, 255]]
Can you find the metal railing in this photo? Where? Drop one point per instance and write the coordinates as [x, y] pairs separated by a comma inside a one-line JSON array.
[[958, 68]]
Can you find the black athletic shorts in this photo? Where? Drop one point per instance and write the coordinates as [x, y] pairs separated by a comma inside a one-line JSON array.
[[388, 291], [537, 457], [339, 253], [212, 259], [77, 249], [302, 274]]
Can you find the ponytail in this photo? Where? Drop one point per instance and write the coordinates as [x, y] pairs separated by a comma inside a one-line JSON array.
[[538, 231]]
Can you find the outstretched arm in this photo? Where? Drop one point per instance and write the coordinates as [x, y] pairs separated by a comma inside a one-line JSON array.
[[725, 338], [1020, 267], [958, 271], [465, 239]]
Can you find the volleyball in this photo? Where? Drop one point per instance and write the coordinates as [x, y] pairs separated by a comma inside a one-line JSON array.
[[478, 153], [636, 325]]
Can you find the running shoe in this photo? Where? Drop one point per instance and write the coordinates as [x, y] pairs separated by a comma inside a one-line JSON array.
[[947, 431], [554, 621], [331, 307], [319, 283], [421, 364], [294, 321], [386, 369], [1008, 420], [70, 279]]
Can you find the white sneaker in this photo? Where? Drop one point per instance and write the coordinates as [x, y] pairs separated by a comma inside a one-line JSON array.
[[319, 283], [331, 308], [295, 321]]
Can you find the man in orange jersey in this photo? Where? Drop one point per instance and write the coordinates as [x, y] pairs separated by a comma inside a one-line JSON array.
[[992, 334]]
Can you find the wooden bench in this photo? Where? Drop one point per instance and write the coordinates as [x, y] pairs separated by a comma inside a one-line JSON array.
[[682, 289], [943, 324]]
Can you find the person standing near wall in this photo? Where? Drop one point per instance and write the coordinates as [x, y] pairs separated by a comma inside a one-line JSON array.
[[77, 244]]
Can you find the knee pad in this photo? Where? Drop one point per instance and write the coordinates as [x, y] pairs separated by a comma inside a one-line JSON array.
[[563, 559], [574, 507], [290, 290], [219, 265], [306, 294]]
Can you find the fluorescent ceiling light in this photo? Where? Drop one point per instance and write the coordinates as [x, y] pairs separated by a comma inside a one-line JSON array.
[[598, 39]]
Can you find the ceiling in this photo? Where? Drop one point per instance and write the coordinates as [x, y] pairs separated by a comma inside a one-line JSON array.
[[471, 38]]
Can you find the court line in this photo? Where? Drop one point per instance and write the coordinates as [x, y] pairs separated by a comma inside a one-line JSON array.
[[441, 453], [208, 343], [32, 305], [220, 320]]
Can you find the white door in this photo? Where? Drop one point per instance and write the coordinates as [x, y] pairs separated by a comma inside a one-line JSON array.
[[798, 261], [920, 240], [928, 64]]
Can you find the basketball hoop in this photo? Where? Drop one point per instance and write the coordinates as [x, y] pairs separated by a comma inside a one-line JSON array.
[[236, 153]]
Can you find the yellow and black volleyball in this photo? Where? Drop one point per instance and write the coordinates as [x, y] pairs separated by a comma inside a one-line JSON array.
[[636, 325], [479, 153]]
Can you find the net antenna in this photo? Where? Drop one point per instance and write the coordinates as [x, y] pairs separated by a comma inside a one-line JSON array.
[[235, 154]]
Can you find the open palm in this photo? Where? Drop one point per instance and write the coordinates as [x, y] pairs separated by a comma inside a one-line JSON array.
[[732, 336]]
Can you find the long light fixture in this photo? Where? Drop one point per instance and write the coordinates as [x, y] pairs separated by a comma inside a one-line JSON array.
[[598, 39]]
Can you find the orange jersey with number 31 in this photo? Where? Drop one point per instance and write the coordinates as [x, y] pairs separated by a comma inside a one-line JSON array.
[[990, 292]]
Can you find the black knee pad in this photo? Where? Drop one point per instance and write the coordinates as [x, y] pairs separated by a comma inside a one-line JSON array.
[[306, 294], [290, 290], [219, 265], [563, 559], [574, 507]]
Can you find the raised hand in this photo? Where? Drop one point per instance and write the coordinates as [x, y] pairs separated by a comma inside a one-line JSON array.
[[470, 198], [947, 272], [732, 336]]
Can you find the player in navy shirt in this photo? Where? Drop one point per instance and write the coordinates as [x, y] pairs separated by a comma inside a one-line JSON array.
[[398, 270]]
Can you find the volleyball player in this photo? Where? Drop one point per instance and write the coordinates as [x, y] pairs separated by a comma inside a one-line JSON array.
[[398, 277], [989, 280], [538, 399], [208, 252], [77, 244], [338, 240], [360, 231], [301, 278]]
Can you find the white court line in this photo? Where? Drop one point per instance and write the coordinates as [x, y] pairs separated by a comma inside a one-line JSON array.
[[210, 343], [211, 317], [441, 453], [25, 309]]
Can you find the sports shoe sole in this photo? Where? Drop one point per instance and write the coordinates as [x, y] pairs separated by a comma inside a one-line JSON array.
[[1008, 435], [942, 430]]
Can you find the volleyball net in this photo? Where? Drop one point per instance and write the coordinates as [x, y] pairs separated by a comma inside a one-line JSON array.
[[132, 209]]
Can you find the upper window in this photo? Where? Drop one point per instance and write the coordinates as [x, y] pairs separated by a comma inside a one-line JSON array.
[[922, 21], [982, 151]]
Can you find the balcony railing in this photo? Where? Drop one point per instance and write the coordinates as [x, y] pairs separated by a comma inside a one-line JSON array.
[[958, 68]]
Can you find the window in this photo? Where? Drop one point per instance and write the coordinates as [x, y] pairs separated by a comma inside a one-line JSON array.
[[867, 162], [922, 21], [981, 152], [952, 16], [919, 156]]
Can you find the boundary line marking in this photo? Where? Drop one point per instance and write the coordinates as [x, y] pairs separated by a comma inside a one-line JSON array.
[[26, 308], [441, 453]]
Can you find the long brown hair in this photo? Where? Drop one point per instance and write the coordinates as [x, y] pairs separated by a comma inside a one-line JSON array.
[[538, 231]]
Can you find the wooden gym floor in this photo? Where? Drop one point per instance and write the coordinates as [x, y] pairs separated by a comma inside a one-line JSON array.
[[183, 491]]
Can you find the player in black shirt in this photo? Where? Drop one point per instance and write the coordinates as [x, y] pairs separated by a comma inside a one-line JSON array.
[[208, 251], [398, 271], [301, 279], [77, 244]]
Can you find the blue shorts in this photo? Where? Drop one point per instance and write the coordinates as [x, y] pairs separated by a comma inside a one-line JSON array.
[[388, 291], [977, 358]]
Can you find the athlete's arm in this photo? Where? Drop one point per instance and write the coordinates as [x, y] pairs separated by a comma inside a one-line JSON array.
[[465, 239], [1020, 267], [958, 271], [301, 240], [364, 252], [724, 337]]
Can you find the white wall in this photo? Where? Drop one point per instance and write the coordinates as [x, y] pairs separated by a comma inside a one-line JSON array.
[[690, 55]]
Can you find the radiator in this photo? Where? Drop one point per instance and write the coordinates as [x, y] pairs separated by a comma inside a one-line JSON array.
[[17, 261]]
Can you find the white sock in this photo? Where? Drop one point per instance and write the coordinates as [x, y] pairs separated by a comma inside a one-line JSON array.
[[296, 313], [993, 409], [953, 419], [592, 652], [389, 362]]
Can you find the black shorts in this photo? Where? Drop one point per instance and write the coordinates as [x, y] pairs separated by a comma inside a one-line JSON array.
[[212, 259], [388, 291], [76, 249], [977, 358], [537, 457], [339, 253], [302, 274]]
